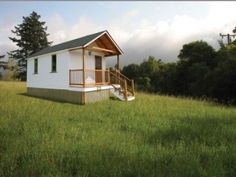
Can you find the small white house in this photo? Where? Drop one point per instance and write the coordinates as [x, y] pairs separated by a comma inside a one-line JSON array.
[[75, 71]]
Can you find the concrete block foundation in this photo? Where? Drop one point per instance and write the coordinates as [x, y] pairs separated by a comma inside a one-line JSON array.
[[69, 96]]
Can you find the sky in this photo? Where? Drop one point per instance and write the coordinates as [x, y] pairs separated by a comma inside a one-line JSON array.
[[141, 28]]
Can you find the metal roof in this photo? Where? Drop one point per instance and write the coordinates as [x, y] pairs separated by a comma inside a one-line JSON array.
[[79, 42]]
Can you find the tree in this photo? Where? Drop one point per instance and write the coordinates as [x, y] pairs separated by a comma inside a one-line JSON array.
[[30, 37], [198, 51], [200, 72], [196, 59], [131, 71], [2, 66], [221, 44], [234, 31], [149, 66], [164, 80], [12, 71], [221, 81], [144, 83]]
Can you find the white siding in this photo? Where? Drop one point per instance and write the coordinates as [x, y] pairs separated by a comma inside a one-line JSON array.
[[46, 79], [90, 64], [76, 63], [65, 61], [75, 60]]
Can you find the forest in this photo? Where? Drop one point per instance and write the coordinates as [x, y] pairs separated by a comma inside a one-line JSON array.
[[200, 72]]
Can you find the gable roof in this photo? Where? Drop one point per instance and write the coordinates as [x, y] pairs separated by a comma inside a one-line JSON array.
[[79, 42]]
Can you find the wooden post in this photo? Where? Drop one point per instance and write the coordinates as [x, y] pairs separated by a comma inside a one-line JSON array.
[[126, 97], [70, 77], [118, 68], [108, 76], [118, 62], [83, 69], [116, 76], [132, 81]]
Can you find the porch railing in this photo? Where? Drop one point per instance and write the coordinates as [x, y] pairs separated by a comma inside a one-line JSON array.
[[116, 77], [102, 77], [92, 77], [76, 76]]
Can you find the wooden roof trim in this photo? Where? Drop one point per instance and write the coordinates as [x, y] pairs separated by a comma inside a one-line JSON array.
[[75, 48], [102, 49], [105, 39], [114, 42], [107, 52], [94, 39], [105, 32]]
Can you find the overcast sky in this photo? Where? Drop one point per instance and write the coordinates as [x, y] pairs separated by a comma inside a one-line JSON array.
[[140, 28]]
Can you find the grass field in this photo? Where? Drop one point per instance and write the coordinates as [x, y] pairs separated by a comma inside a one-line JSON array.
[[151, 136]]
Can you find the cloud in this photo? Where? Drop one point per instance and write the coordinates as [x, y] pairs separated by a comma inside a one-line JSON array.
[[140, 36], [5, 44], [164, 39], [56, 28], [4, 49], [61, 31]]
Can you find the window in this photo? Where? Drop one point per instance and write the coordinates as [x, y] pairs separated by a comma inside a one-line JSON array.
[[54, 63], [35, 66]]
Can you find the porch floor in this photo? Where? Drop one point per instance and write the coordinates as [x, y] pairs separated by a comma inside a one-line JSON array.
[[89, 88]]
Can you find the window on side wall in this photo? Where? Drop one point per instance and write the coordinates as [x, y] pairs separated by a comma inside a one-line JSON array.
[[54, 64], [35, 66]]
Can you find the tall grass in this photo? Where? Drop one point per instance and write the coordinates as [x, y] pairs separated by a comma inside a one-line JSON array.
[[151, 136]]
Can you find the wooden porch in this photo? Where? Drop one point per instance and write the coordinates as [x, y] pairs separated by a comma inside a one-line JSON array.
[[98, 76], [89, 78]]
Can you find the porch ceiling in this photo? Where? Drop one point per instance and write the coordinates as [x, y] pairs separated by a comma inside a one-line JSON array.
[[104, 44]]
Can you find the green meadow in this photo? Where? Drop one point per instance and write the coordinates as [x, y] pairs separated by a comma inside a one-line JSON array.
[[152, 136]]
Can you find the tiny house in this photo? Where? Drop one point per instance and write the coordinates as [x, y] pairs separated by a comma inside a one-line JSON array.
[[76, 71]]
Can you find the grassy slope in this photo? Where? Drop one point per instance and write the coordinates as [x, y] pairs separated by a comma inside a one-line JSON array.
[[151, 136]]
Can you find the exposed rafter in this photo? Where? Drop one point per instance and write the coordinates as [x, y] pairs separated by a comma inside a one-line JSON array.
[[101, 49]]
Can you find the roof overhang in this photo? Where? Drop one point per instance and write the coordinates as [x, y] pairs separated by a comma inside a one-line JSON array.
[[101, 42], [104, 43]]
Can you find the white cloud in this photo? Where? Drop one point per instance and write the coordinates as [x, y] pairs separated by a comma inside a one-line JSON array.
[[140, 36], [5, 44], [56, 28], [84, 27], [164, 39], [61, 31]]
